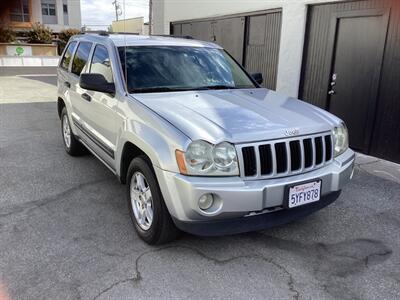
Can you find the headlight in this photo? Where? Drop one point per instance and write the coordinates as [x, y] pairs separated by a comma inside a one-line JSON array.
[[204, 159], [341, 139]]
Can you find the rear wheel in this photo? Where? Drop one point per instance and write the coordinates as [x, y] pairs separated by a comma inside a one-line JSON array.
[[71, 144], [148, 212]]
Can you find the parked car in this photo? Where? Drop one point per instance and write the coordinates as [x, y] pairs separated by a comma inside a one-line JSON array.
[[200, 145]]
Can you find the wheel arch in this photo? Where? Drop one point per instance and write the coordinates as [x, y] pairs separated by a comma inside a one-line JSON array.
[[60, 106], [129, 152]]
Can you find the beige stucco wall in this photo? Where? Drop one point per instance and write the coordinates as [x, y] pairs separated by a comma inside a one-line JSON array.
[[134, 25], [37, 49]]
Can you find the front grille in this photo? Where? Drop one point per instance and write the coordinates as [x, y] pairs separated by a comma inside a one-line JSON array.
[[285, 157]]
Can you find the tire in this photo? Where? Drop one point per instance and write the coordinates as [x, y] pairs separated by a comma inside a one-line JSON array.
[[161, 229], [71, 144]]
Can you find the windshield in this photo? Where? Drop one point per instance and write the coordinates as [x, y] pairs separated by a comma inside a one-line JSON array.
[[177, 68]]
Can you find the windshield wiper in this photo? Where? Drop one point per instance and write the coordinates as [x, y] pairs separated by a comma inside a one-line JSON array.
[[162, 89], [215, 87], [157, 89]]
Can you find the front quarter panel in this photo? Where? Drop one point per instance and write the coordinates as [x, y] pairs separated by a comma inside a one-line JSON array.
[[157, 138]]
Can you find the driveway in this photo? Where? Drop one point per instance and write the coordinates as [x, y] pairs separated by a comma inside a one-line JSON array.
[[65, 232]]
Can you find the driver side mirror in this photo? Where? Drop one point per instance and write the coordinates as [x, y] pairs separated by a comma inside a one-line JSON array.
[[96, 82], [258, 77]]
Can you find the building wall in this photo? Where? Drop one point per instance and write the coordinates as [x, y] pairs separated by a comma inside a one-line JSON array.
[[74, 15], [294, 13], [134, 25]]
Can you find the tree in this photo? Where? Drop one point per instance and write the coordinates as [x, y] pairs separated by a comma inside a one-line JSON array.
[[64, 37]]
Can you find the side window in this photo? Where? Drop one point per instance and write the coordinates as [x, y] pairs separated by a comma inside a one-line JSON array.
[[81, 57], [101, 63], [67, 56]]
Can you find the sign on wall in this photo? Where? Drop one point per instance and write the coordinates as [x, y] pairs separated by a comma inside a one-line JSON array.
[[19, 50]]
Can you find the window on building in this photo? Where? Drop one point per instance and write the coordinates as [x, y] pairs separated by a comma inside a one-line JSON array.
[[65, 8], [48, 9], [20, 11], [67, 56], [101, 63], [81, 57]]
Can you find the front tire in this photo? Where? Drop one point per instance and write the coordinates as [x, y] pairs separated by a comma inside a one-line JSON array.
[[147, 209], [71, 144]]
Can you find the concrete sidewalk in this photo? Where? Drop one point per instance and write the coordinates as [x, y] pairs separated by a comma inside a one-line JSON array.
[[18, 89]]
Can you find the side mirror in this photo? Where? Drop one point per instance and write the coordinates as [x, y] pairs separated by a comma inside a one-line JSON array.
[[96, 82], [258, 77]]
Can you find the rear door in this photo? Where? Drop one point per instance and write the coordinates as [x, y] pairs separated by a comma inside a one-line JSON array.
[[80, 104], [63, 78]]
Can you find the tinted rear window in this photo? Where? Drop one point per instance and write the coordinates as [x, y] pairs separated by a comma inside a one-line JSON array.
[[81, 57], [67, 56]]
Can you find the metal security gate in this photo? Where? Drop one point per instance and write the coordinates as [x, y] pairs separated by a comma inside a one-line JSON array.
[[350, 65], [252, 39], [262, 46]]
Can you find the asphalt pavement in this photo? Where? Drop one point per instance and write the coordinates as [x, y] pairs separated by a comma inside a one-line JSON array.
[[65, 233]]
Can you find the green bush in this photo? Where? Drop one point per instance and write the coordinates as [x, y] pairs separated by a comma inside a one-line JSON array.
[[64, 37], [7, 35], [40, 34]]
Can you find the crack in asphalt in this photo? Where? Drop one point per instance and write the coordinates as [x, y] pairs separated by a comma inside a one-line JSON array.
[[379, 254], [367, 163], [138, 276], [15, 209]]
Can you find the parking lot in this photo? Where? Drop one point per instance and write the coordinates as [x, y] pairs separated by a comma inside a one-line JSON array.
[[65, 232]]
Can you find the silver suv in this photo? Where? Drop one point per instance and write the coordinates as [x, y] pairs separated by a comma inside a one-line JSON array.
[[200, 145]]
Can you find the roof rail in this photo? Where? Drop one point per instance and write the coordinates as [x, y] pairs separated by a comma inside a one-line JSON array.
[[99, 32], [130, 33], [188, 37], [106, 33]]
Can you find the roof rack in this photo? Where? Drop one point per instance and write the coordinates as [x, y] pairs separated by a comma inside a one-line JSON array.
[[106, 33], [99, 32]]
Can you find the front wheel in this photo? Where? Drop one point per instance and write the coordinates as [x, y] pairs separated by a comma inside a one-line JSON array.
[[148, 212]]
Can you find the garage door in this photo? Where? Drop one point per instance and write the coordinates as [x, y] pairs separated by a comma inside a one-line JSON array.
[[262, 46], [227, 32], [350, 68], [252, 39]]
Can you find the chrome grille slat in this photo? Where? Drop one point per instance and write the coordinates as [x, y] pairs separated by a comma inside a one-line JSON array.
[[302, 156], [292, 167], [273, 160], [258, 165], [314, 154], [288, 158], [323, 149]]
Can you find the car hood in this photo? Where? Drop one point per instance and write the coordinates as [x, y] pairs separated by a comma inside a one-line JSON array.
[[237, 116]]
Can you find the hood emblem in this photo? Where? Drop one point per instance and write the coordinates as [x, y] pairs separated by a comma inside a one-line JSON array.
[[292, 131]]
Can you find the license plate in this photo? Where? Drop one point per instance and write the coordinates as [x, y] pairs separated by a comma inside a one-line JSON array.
[[304, 193]]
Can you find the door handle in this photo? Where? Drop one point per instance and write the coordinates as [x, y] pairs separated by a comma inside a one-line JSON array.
[[86, 97], [67, 84]]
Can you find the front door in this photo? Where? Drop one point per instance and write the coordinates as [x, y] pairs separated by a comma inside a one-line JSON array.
[[101, 120], [359, 39]]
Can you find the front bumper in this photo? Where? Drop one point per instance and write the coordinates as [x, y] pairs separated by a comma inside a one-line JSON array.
[[246, 201]]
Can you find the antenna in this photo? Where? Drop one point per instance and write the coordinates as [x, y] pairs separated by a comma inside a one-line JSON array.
[[125, 67]]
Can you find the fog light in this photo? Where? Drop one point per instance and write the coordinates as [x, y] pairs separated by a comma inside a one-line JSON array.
[[206, 201]]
